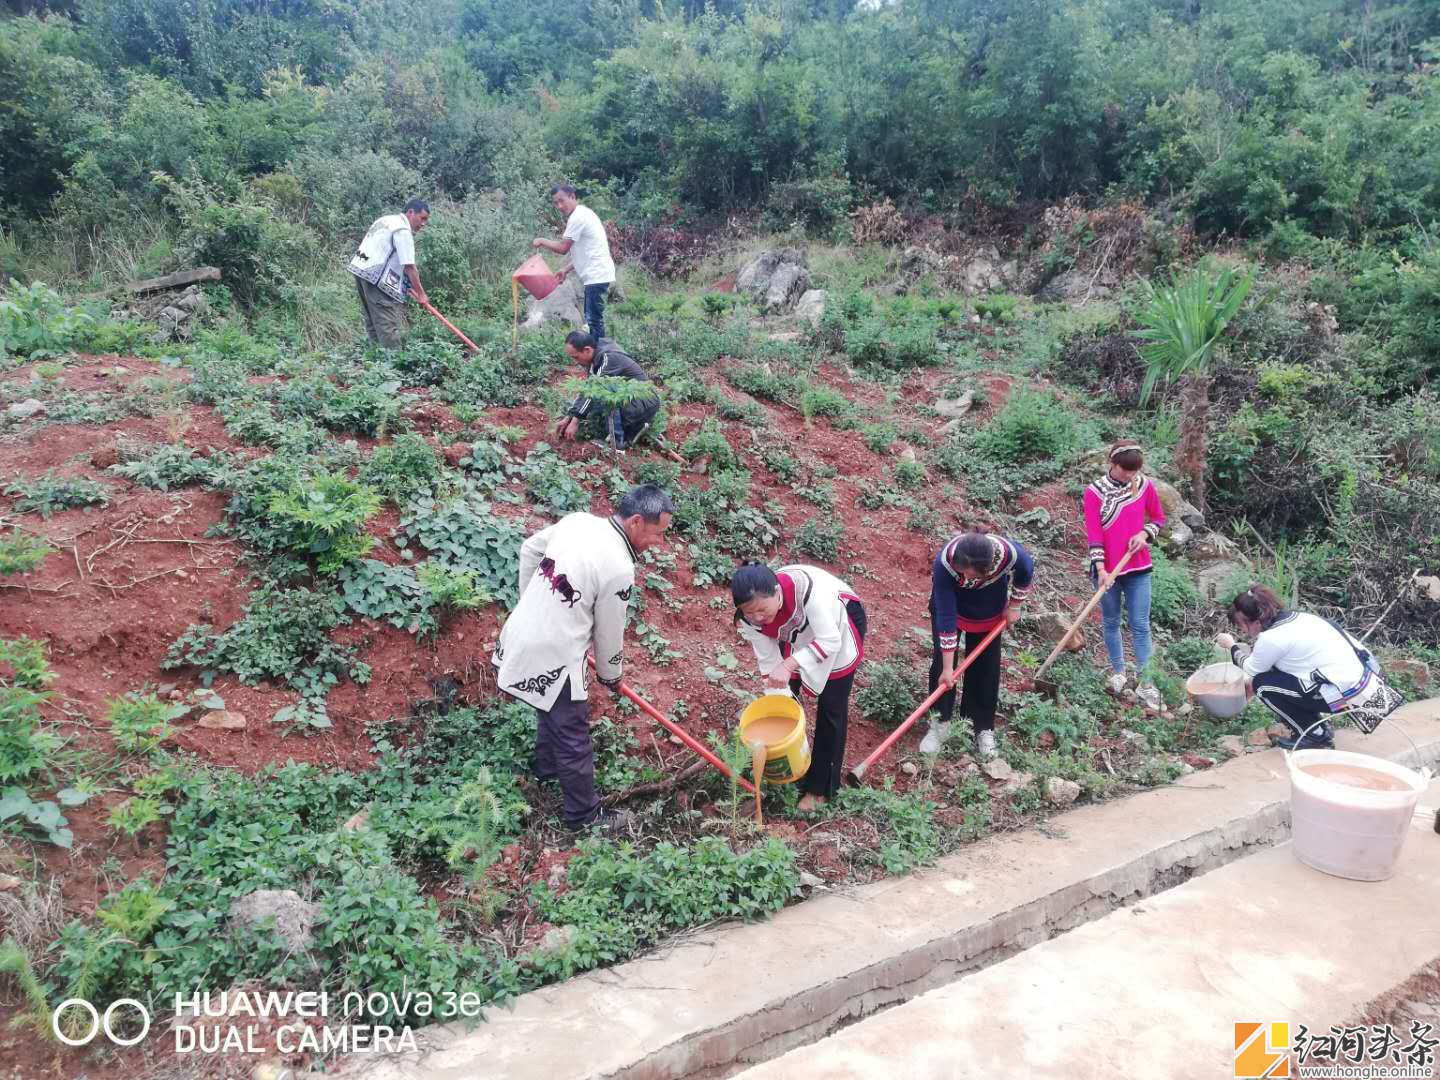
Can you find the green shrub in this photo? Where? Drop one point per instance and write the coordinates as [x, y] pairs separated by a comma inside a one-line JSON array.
[[891, 690], [255, 248], [619, 900], [134, 814], [549, 483], [35, 322], [997, 307], [164, 467], [909, 473], [1070, 726], [450, 590], [387, 593], [369, 403], [139, 723], [879, 437], [819, 538], [24, 746], [1188, 655], [402, 469], [20, 552], [323, 517], [462, 534], [909, 838], [1032, 426], [47, 494], [1172, 593], [823, 401], [819, 204], [284, 637], [710, 441]]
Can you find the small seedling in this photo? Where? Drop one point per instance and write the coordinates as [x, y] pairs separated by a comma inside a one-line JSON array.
[[20, 552], [134, 814]]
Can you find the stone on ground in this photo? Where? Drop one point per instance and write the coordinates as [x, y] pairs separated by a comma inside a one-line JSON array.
[[566, 305], [294, 917], [811, 306]]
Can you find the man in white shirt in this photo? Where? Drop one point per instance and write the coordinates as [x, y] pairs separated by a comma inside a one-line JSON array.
[[587, 245], [384, 269]]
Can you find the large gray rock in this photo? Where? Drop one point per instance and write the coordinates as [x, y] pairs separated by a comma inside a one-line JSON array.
[[1211, 580], [23, 410], [566, 305], [294, 918], [984, 273], [1072, 287], [1061, 792], [955, 408], [776, 279], [811, 307], [789, 282], [1175, 505]]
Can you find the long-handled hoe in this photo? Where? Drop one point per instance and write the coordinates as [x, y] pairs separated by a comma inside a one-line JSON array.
[[1049, 687], [855, 776]]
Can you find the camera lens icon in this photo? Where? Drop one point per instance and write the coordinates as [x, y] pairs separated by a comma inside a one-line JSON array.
[[99, 1022]]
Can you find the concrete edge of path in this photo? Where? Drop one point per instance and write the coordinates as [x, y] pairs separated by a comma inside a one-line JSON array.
[[1263, 940], [712, 1003]]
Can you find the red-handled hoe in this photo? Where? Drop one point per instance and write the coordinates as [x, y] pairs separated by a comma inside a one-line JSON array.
[[676, 730], [450, 326], [856, 775]]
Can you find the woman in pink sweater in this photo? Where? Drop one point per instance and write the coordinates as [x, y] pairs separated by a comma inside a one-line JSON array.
[[1123, 513]]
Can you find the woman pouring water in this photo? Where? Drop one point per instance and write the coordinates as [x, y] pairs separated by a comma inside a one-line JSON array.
[[807, 629], [1302, 668]]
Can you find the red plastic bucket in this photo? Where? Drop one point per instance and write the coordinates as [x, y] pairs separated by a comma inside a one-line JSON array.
[[535, 277]]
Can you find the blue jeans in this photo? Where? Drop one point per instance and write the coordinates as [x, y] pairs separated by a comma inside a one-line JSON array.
[[595, 309], [1134, 590]]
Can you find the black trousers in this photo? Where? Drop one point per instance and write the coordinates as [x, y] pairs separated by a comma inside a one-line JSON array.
[[979, 686], [832, 716], [564, 752], [1297, 707]]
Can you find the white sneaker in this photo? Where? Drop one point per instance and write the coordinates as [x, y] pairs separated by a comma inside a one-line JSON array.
[[935, 737], [1149, 697], [985, 745], [1116, 683]]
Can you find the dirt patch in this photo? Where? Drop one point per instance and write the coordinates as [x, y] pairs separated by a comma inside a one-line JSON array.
[[1405, 1019]]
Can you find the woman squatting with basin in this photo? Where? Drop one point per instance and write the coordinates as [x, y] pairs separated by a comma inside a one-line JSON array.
[[1302, 668], [1122, 516], [807, 628], [979, 581]]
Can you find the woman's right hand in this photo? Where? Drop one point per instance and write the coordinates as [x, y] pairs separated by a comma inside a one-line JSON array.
[[1225, 641], [947, 669]]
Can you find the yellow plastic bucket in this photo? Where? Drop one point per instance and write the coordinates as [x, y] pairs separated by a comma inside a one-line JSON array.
[[777, 720]]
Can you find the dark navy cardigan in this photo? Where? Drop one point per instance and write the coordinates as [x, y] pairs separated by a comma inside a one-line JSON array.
[[978, 606]]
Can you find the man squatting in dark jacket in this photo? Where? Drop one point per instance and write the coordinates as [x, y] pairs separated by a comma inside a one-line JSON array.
[[605, 358]]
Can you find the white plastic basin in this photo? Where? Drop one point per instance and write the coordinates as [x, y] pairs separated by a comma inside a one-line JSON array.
[[1219, 689], [1350, 832]]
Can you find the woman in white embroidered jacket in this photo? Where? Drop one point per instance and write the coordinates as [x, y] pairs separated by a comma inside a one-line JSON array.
[[1302, 668], [807, 629]]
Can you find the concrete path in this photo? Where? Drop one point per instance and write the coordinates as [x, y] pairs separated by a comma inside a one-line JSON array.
[[714, 1002], [1156, 989]]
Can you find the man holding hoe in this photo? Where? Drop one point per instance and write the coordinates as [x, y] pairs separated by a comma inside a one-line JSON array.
[[584, 240], [575, 583], [384, 269]]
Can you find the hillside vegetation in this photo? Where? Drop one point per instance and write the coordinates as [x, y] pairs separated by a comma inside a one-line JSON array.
[[251, 571]]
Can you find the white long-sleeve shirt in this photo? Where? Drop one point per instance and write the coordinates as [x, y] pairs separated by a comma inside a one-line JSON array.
[[812, 626], [575, 582], [1312, 650]]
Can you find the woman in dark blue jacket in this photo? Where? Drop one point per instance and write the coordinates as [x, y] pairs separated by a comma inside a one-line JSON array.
[[979, 582]]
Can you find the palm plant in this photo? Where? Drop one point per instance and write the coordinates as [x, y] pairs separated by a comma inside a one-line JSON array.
[[1181, 326]]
